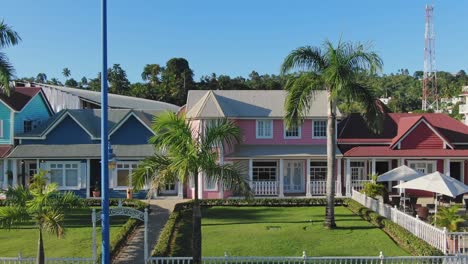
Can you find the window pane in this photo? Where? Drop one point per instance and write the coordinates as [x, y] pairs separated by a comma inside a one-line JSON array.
[[210, 184], [71, 178], [56, 176], [122, 177], [320, 128]]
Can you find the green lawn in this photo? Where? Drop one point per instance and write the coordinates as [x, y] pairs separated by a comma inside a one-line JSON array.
[[287, 231], [76, 243]]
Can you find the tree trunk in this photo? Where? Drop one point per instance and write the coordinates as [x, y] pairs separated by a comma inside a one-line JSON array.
[[331, 153], [196, 234], [40, 259]]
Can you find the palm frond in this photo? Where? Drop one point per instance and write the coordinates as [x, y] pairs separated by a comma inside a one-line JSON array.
[[12, 216], [231, 178], [224, 132], [305, 58], [7, 73], [17, 196], [53, 222], [8, 37], [153, 170]]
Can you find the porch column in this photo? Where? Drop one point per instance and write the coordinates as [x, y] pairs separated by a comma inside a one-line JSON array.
[[348, 177], [221, 162], [373, 166], [308, 192], [401, 162], [201, 179], [5, 174], [14, 170], [251, 173], [88, 177], [338, 178], [447, 166], [180, 189], [281, 180]]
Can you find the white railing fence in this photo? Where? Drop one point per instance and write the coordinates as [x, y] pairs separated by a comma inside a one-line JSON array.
[[265, 187], [459, 259], [21, 260], [358, 184], [320, 188], [447, 242]]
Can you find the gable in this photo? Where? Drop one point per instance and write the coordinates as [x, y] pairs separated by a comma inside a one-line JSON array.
[[5, 116], [422, 137], [132, 132], [36, 110]]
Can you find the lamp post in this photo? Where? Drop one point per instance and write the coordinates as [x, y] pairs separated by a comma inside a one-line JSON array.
[[105, 246]]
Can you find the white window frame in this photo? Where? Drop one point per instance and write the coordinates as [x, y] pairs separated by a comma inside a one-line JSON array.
[[364, 175], [64, 163], [266, 167], [312, 168], [299, 132], [1, 128], [426, 162], [130, 169], [313, 129], [205, 184], [257, 128]]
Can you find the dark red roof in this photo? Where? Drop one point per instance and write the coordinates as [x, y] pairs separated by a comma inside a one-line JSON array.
[[4, 150], [353, 128], [19, 97], [385, 151]]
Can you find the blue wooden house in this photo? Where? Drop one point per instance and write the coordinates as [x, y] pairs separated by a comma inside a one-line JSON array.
[[21, 112], [68, 147]]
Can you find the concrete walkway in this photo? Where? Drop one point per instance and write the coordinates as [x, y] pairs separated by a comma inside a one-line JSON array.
[[132, 252]]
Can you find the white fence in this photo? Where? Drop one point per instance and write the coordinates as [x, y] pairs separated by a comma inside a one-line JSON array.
[[320, 188], [358, 184], [314, 260], [447, 242], [21, 260], [265, 187]]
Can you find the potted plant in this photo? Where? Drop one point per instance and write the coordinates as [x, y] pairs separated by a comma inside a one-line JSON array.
[[449, 218], [96, 190]]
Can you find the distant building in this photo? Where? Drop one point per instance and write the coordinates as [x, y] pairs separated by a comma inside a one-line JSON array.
[[464, 105]]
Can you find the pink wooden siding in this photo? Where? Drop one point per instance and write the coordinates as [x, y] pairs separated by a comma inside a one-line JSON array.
[[422, 137], [249, 134]]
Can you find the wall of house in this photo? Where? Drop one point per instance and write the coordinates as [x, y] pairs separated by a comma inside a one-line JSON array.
[[66, 132], [35, 110], [248, 127], [5, 115], [422, 137], [132, 132]]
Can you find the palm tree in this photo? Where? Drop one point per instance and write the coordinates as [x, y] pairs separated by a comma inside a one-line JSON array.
[[151, 72], [42, 203], [336, 70], [66, 73], [8, 37], [41, 78], [188, 154]]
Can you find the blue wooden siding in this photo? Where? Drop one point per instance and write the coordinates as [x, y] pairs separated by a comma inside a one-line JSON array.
[[132, 132], [65, 133], [35, 110], [5, 116]]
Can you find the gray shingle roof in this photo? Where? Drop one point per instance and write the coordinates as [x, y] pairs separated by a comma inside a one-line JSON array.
[[79, 151], [278, 151], [90, 119], [247, 103], [115, 100]]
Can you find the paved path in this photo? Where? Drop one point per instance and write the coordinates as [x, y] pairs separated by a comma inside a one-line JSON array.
[[132, 252]]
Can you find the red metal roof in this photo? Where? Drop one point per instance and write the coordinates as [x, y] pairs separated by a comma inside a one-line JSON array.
[[19, 97], [385, 151], [4, 150]]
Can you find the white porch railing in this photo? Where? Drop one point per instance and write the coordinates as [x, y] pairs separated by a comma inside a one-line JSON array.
[[266, 188], [358, 184], [447, 242], [320, 188], [21, 260], [314, 260]]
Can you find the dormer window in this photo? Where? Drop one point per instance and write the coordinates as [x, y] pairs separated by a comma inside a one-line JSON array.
[[27, 126], [319, 129], [294, 131], [264, 128]]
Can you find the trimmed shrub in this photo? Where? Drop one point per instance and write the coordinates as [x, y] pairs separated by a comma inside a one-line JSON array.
[[401, 236]]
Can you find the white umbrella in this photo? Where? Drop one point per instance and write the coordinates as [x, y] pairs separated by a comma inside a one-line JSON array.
[[402, 173], [438, 183]]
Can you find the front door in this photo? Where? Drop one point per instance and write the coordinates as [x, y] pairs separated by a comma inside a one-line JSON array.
[[293, 177], [381, 167], [455, 170]]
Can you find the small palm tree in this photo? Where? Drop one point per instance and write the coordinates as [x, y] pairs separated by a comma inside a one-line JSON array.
[[151, 72], [8, 37], [66, 73], [188, 154], [448, 217], [336, 70], [42, 204]]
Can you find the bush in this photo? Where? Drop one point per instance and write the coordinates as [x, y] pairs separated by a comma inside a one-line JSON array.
[[401, 236], [137, 204], [372, 189]]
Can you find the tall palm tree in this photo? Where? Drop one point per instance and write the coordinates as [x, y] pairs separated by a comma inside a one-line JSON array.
[[336, 70], [42, 204], [187, 154], [8, 37], [66, 73], [151, 72]]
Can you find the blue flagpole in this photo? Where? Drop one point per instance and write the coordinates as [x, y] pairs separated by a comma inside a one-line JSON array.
[[104, 144]]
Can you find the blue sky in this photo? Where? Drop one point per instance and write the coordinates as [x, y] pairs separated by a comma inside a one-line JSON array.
[[225, 37]]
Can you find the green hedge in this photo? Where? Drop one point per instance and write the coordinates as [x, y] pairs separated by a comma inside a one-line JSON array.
[[137, 204], [401, 236], [172, 242]]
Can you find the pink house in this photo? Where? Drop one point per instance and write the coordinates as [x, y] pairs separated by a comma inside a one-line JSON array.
[[277, 161]]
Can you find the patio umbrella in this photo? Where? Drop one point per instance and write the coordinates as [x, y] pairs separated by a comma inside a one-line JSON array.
[[402, 173], [438, 183]]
